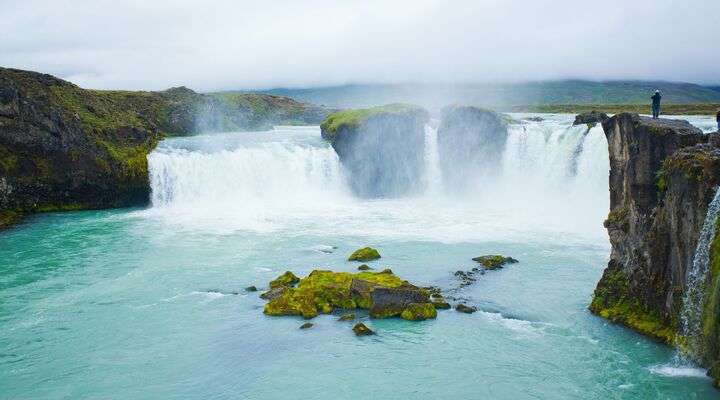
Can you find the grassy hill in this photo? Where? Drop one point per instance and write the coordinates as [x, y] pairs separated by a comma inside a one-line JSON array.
[[435, 96]]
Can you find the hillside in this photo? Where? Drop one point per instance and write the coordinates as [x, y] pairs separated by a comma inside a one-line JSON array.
[[64, 147], [435, 96]]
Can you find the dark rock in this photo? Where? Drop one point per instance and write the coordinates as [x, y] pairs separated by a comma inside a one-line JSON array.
[[465, 309], [593, 117], [389, 302], [307, 325], [535, 119], [364, 267], [662, 178], [470, 140], [274, 293], [441, 304], [361, 330], [381, 148], [251, 289]]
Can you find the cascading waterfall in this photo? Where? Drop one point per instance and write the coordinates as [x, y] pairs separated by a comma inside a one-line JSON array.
[[433, 177], [696, 277], [245, 180]]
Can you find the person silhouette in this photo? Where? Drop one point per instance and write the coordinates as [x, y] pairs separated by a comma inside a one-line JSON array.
[[656, 104]]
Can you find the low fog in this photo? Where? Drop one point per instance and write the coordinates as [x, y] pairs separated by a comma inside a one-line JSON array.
[[254, 44]]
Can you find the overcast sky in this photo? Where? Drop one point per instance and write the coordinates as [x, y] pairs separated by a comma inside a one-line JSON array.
[[211, 45]]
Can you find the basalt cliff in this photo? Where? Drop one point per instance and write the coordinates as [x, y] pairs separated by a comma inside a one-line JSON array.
[[65, 148], [663, 175]]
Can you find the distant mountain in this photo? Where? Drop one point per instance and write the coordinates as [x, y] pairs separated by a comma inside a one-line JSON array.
[[435, 96]]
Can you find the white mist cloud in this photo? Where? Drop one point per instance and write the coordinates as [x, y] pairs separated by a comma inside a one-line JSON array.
[[219, 44]]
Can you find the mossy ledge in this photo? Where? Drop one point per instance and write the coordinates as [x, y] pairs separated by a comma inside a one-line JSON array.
[[63, 147], [353, 118], [613, 300], [382, 293]]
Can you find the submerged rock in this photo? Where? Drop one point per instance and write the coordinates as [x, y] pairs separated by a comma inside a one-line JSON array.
[[465, 309], [364, 254], [494, 261], [361, 330], [307, 325], [347, 317], [535, 119], [364, 267], [380, 148], [383, 294], [591, 118], [251, 289]]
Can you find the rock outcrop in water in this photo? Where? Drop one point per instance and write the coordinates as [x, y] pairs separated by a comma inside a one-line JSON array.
[[381, 148], [382, 293], [66, 148], [470, 139], [663, 175], [590, 118]]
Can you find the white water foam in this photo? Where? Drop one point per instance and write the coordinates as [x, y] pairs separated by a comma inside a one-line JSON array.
[[292, 182]]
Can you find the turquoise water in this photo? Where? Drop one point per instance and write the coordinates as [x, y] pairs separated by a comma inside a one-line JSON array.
[[149, 303]]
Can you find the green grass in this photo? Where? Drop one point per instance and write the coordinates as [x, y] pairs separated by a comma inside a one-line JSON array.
[[667, 109], [353, 118]]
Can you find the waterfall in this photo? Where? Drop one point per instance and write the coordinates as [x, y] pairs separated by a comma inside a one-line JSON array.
[[433, 177], [265, 179], [696, 277]]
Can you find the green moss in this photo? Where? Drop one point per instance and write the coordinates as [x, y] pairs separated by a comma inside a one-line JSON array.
[[9, 217], [323, 291], [613, 300], [618, 218], [353, 118], [364, 254], [494, 261], [661, 181], [711, 310], [418, 312], [286, 279]]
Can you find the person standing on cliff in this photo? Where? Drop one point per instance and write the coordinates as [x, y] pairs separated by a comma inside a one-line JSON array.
[[656, 104], [717, 118]]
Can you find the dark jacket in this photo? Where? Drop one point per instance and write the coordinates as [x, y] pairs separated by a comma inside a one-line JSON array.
[[656, 99], [717, 117]]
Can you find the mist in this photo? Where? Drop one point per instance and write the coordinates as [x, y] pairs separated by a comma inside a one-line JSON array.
[[223, 45]]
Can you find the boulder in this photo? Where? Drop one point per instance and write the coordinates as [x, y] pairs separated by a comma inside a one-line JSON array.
[[384, 294], [465, 309], [347, 317], [364, 267], [364, 254], [380, 148], [470, 143], [287, 279], [251, 289], [361, 330], [590, 118], [307, 325], [418, 312]]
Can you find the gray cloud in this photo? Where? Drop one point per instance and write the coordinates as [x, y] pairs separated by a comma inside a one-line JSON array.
[[256, 44]]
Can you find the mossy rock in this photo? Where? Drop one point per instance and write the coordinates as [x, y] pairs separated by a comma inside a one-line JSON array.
[[441, 304], [494, 261], [307, 325], [349, 119], [364, 254], [419, 312], [287, 279], [613, 300], [361, 329], [384, 294], [347, 317], [364, 267]]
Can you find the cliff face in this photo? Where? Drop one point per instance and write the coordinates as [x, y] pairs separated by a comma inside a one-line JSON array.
[[63, 147], [470, 140], [381, 148], [663, 175]]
